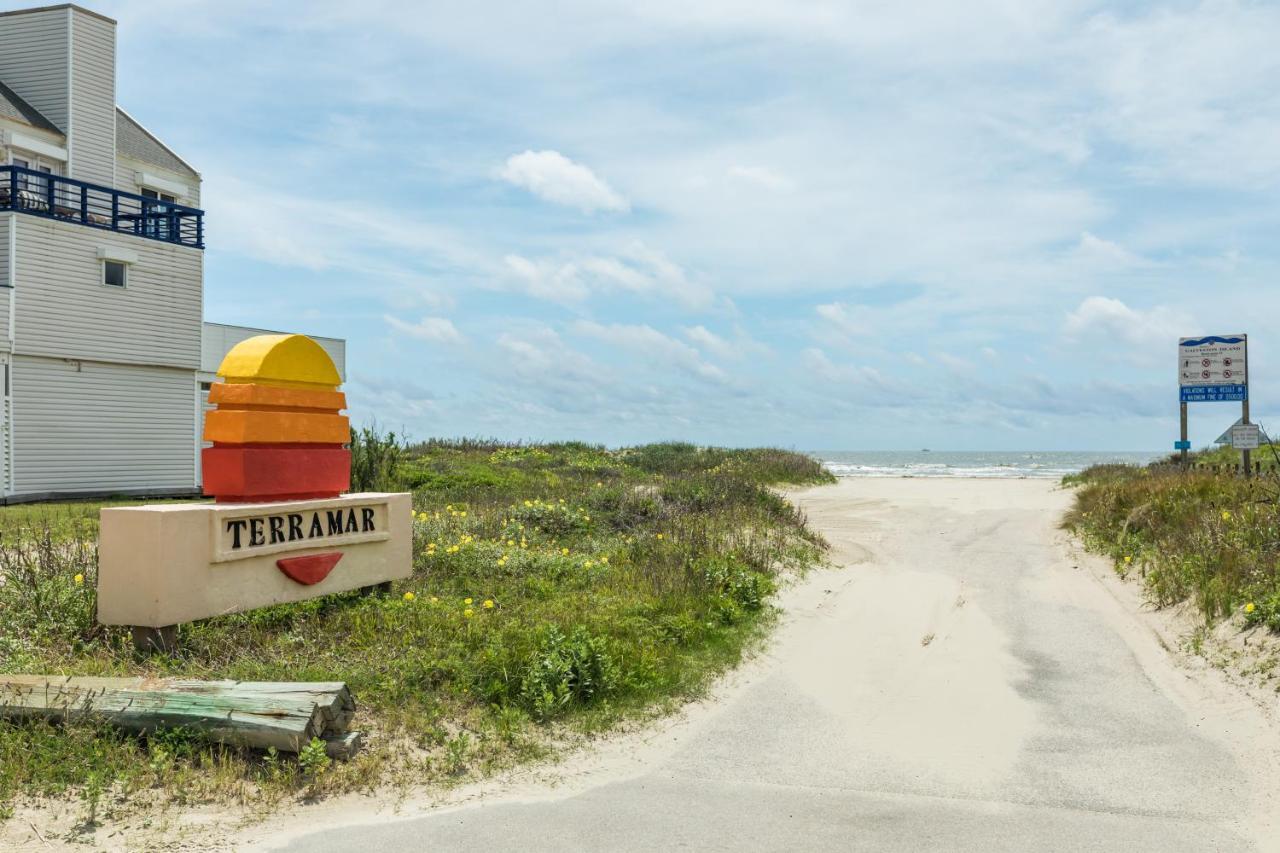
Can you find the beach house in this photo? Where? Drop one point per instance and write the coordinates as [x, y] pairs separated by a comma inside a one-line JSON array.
[[103, 347]]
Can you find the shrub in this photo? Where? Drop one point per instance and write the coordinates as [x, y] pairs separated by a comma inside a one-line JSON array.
[[376, 458], [566, 669]]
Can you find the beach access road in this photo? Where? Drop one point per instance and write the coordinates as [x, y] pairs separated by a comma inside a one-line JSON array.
[[964, 680]]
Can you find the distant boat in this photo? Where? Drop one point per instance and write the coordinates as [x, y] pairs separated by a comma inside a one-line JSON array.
[[925, 450]]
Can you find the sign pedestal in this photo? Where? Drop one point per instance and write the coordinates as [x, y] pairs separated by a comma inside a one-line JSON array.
[[166, 564]]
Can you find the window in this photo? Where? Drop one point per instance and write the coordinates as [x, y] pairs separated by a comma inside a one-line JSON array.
[[156, 222], [35, 189], [114, 273]]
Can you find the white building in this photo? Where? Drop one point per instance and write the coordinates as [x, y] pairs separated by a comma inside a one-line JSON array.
[[102, 343]]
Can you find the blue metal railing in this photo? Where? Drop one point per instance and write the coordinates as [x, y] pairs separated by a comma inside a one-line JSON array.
[[69, 200]]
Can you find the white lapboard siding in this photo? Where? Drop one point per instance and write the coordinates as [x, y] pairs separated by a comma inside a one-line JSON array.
[[64, 310], [94, 427], [33, 60], [4, 252], [93, 99]]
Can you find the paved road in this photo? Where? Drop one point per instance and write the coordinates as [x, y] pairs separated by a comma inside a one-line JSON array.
[[959, 685]]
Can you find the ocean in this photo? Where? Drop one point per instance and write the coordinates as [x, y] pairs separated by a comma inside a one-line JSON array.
[[1052, 464]]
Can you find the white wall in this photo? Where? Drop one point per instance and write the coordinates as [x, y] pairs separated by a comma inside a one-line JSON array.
[[64, 310], [33, 60], [92, 131], [93, 427]]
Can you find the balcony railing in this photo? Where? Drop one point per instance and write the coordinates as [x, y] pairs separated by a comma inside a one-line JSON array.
[[69, 200]]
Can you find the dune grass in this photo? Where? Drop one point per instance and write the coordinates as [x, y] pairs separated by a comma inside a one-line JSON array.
[[557, 589], [1210, 539]]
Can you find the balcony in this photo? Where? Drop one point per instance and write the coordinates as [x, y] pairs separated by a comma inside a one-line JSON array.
[[69, 200]]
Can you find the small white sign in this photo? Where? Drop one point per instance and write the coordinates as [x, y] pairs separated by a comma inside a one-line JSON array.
[[1245, 436]]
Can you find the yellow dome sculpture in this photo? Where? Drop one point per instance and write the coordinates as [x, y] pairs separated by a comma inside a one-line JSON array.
[[286, 361]]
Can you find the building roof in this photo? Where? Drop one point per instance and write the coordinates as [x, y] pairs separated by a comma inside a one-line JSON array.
[[56, 8], [135, 141], [13, 107]]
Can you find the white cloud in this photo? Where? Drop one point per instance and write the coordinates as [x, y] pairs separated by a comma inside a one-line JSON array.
[[842, 317], [1100, 253], [956, 364], [1102, 318], [762, 177], [653, 344], [635, 269], [438, 330], [821, 364], [555, 178]]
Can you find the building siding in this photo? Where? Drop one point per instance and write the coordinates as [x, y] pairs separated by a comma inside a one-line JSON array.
[[4, 258], [127, 170], [64, 310], [93, 99], [33, 60], [95, 427]]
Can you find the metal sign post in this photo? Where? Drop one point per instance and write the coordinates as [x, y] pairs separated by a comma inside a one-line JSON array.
[[1211, 369]]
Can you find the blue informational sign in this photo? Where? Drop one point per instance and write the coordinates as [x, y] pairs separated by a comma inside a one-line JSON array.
[[1182, 445], [1214, 369], [1214, 393]]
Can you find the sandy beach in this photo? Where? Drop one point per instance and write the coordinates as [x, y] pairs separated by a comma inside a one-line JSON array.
[[962, 678]]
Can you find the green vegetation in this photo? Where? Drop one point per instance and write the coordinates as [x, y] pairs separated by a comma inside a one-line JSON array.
[[1213, 540], [558, 589]]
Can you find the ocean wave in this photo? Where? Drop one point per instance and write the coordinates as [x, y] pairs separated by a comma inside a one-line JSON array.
[[1015, 465]]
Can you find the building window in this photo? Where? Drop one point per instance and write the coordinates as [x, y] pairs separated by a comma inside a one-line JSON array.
[[156, 220], [114, 273]]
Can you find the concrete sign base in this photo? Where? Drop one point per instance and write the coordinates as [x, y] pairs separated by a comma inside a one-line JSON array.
[[170, 563]]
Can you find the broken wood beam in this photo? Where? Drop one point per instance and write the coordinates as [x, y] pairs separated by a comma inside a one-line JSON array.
[[258, 714]]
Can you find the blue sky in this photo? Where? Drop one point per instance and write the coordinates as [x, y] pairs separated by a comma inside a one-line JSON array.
[[820, 225]]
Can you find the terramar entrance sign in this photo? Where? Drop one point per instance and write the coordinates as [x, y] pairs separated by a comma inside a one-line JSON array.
[[1213, 369], [280, 528]]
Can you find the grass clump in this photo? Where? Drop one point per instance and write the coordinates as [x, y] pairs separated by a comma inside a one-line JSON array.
[[1190, 536], [557, 588]]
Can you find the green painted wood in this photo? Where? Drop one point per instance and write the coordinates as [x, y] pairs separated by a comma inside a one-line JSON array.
[[286, 715]]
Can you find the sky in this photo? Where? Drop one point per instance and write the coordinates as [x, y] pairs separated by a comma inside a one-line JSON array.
[[820, 225]]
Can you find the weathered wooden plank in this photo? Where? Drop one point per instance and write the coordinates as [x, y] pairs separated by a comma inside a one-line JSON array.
[[255, 714], [343, 747]]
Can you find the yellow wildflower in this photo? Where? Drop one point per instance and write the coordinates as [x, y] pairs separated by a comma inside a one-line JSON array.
[[435, 600], [408, 596], [1249, 608], [511, 543], [528, 503], [598, 485], [659, 535], [466, 601], [604, 560], [462, 514], [79, 579], [468, 613], [1226, 516], [564, 551], [488, 604], [1128, 559]]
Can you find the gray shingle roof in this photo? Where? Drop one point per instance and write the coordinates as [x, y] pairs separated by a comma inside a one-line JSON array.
[[133, 140], [13, 107]]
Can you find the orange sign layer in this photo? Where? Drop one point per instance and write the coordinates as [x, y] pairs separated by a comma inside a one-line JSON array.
[[254, 395], [235, 426]]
